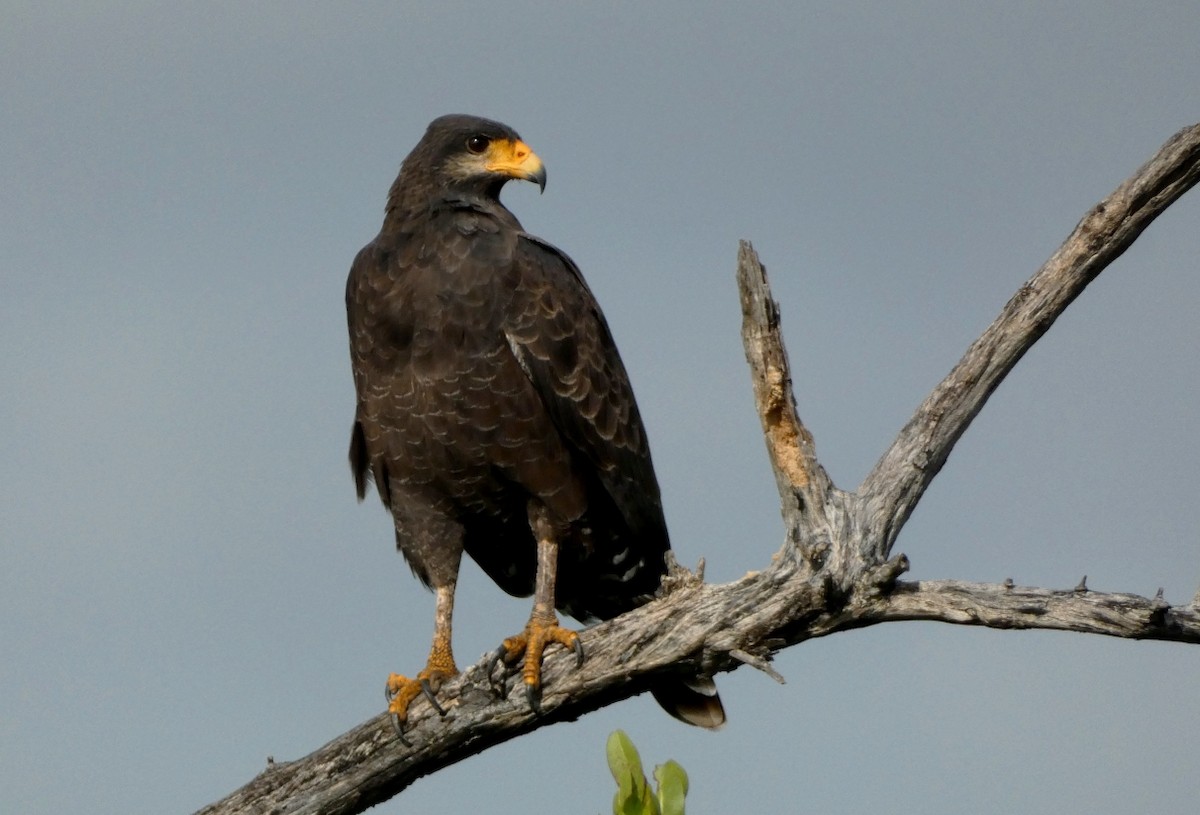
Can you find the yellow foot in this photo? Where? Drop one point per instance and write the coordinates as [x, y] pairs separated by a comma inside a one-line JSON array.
[[401, 691], [532, 643]]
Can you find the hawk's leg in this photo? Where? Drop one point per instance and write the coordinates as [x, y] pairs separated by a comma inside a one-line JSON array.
[[542, 628], [401, 691]]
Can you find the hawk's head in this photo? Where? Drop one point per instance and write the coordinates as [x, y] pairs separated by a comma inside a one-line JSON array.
[[472, 155]]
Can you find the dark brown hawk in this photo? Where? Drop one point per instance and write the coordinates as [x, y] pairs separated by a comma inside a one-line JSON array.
[[494, 413]]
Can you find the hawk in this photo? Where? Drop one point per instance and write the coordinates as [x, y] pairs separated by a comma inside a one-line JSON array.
[[495, 416]]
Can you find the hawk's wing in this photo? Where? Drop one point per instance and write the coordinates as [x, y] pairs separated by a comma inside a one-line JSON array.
[[560, 337]]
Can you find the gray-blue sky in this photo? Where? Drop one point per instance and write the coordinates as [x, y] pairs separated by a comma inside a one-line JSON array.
[[186, 582]]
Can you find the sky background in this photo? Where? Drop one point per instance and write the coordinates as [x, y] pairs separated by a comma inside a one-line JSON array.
[[187, 584]]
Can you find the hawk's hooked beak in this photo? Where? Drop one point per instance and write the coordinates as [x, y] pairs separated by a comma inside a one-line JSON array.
[[516, 160]]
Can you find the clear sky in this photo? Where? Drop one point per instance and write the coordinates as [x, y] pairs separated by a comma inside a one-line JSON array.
[[187, 584]]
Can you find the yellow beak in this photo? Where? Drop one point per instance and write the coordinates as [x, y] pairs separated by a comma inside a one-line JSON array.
[[516, 160]]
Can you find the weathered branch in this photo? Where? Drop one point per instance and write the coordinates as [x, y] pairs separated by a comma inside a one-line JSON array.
[[1000, 606], [789, 444], [697, 628], [897, 482], [684, 632], [814, 510], [833, 574]]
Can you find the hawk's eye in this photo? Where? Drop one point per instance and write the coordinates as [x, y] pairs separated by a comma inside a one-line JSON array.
[[477, 144]]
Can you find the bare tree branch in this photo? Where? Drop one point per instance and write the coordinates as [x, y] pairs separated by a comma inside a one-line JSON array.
[[999, 606], [897, 482], [695, 628], [789, 444], [832, 575], [814, 510]]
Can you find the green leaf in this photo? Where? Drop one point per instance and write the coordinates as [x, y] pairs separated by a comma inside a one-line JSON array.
[[633, 791], [672, 787], [624, 762]]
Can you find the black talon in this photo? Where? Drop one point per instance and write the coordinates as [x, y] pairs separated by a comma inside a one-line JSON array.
[[578, 652], [497, 685], [427, 689], [534, 695], [398, 726], [497, 656]]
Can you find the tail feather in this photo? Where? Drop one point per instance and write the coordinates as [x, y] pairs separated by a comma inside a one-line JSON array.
[[694, 701]]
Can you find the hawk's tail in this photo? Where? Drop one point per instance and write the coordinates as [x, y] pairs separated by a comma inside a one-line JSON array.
[[694, 701]]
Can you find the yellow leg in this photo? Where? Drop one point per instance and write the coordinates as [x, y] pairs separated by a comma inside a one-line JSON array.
[[542, 628], [401, 691]]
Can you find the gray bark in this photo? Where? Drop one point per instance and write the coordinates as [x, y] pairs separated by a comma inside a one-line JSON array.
[[835, 571]]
